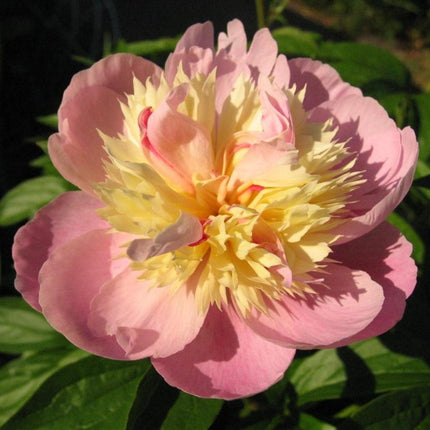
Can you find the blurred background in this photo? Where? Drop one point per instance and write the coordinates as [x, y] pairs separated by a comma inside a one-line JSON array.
[[44, 42]]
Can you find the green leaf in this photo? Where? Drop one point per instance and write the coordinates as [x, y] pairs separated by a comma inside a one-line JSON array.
[[21, 378], [23, 329], [94, 393], [25, 199], [400, 107], [148, 47], [295, 42], [192, 413], [423, 106], [419, 249], [361, 64], [49, 120], [401, 410], [44, 162], [362, 369], [308, 422]]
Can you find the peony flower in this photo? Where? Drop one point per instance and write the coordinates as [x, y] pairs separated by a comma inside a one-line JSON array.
[[231, 211]]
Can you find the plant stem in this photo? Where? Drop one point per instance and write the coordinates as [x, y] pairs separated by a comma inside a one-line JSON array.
[[259, 6]]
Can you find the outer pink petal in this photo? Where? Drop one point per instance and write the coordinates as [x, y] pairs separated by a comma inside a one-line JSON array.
[[379, 203], [147, 321], [385, 255], [226, 360], [69, 216], [115, 73], [322, 82], [78, 147], [386, 156], [347, 303], [70, 279]]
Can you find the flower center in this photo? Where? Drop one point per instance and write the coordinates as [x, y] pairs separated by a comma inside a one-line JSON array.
[[235, 199]]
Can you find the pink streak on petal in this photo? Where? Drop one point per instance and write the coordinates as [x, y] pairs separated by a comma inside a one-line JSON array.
[[71, 278], [226, 360], [78, 147], [385, 255], [147, 321], [115, 73], [321, 80], [186, 230], [346, 305], [69, 216]]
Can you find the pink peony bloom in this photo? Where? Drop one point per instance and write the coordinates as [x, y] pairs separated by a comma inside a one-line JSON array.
[[232, 211]]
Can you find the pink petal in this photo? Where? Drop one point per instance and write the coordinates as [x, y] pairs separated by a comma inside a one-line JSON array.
[[348, 302], [234, 42], [377, 205], [197, 35], [186, 230], [277, 120], [262, 53], [321, 80], [70, 279], [147, 321], [56, 147], [182, 147], [386, 156], [281, 72], [114, 72], [257, 164], [193, 61], [70, 215], [226, 360], [385, 255], [79, 147]]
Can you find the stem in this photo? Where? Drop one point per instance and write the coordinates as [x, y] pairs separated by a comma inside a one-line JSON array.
[[259, 6]]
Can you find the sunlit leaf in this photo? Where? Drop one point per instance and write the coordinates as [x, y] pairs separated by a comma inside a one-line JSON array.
[[419, 249], [192, 413], [44, 162], [362, 369], [295, 42], [29, 196], [21, 378], [423, 105], [361, 64], [49, 120], [148, 47], [308, 422], [94, 393], [23, 329], [401, 410]]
